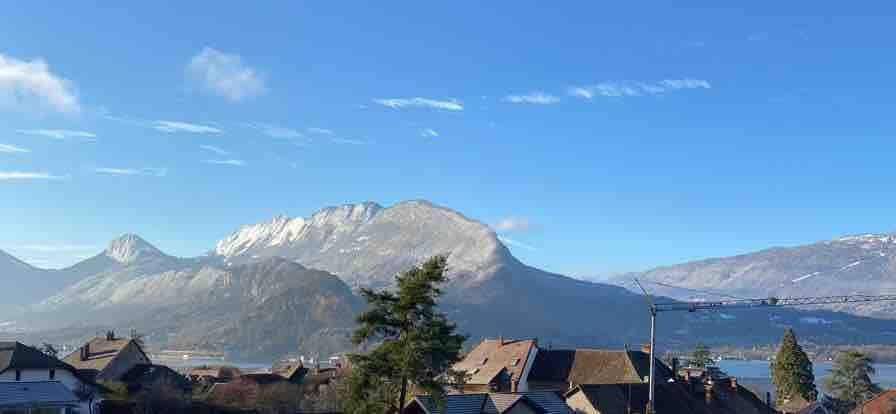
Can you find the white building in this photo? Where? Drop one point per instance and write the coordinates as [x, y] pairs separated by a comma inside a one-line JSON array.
[[20, 363]]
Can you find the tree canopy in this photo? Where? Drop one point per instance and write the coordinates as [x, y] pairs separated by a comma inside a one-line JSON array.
[[792, 371], [412, 343], [701, 357], [848, 383]]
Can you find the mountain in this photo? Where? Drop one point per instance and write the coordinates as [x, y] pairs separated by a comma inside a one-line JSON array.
[[859, 264], [366, 244], [289, 284]]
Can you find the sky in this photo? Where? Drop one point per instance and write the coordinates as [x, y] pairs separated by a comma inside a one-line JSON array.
[[594, 137]]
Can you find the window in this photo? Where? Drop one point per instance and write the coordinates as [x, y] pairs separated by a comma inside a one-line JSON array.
[[474, 371], [18, 375], [484, 360], [52, 373], [516, 361]]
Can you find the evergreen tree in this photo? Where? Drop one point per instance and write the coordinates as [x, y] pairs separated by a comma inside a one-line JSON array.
[[701, 357], [849, 380], [413, 343], [792, 371]]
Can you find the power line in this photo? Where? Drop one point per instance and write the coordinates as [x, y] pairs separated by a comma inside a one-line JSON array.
[[706, 292]]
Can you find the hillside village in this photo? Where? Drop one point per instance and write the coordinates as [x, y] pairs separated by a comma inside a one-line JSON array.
[[112, 374]]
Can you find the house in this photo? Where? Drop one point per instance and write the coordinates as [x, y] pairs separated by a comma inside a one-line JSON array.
[[213, 374], [632, 398], [107, 358], [543, 402], [883, 403], [498, 365], [564, 369], [799, 405], [293, 370], [148, 377], [255, 390], [50, 397], [22, 363]]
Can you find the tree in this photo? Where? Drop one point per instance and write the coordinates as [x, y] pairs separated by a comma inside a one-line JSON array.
[[849, 380], [701, 357], [413, 343], [792, 371]]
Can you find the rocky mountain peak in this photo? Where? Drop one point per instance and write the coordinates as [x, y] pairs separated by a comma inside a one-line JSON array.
[[129, 248]]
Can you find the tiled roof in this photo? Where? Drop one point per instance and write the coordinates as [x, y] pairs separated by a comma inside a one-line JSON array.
[[39, 393], [218, 371], [484, 362], [885, 402], [594, 366], [612, 398], [290, 370], [102, 351], [147, 373], [550, 402], [454, 404], [545, 402], [498, 403], [14, 355]]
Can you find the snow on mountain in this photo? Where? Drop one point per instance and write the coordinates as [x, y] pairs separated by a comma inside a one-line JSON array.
[[856, 264], [129, 248], [367, 244]]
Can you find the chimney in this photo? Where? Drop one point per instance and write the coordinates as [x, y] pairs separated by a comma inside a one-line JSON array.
[[645, 348], [674, 367], [734, 383], [501, 340], [110, 335], [85, 351]]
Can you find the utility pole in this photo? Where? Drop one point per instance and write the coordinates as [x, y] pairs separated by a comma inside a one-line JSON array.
[[652, 307], [655, 308]]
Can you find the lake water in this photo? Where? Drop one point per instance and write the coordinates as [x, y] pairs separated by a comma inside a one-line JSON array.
[[756, 374]]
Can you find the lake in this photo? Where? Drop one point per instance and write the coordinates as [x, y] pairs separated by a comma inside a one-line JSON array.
[[756, 375]]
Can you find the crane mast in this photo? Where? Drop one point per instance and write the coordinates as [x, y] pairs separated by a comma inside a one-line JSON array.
[[656, 308]]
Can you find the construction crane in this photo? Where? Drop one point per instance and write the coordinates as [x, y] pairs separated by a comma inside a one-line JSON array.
[[655, 308]]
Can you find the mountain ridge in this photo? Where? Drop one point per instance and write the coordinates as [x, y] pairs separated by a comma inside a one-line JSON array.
[[489, 291]]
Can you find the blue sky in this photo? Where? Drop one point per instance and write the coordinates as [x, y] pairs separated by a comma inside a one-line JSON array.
[[598, 137]]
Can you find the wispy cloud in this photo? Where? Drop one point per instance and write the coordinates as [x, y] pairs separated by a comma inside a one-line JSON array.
[[61, 134], [629, 88], [175, 126], [27, 175], [517, 243], [537, 98], [30, 85], [350, 141], [216, 150], [276, 131], [322, 131], [225, 75], [155, 172], [418, 102], [12, 148], [429, 133], [234, 163], [511, 224]]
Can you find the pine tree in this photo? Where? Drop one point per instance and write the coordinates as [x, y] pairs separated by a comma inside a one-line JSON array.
[[701, 357], [849, 380], [792, 371], [413, 343]]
